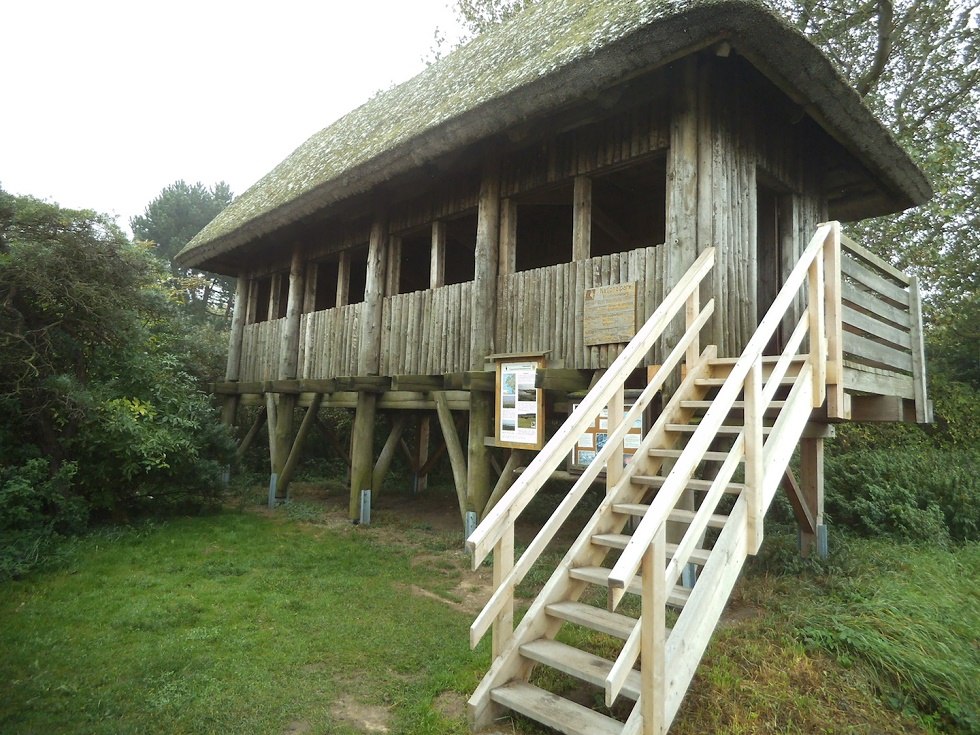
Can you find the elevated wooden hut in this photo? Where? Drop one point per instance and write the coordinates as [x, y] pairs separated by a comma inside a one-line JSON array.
[[631, 202]]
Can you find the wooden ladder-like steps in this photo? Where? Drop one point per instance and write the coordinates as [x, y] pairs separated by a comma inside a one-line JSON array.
[[619, 541], [593, 618], [578, 663], [736, 406], [600, 576], [657, 481], [681, 516], [718, 382], [554, 711]]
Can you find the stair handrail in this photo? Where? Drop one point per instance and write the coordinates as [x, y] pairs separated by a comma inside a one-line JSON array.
[[503, 515], [823, 250]]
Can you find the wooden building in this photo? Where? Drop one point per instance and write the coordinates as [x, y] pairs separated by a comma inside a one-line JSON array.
[[683, 164]]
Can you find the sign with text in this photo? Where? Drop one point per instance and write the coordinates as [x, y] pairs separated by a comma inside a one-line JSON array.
[[520, 406], [610, 314]]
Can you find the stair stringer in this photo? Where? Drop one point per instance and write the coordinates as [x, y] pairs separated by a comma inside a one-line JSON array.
[[510, 664], [699, 618]]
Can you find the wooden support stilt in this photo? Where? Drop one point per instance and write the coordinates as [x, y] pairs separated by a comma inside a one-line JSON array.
[[383, 464], [506, 479], [422, 480], [456, 457], [798, 502], [252, 433], [478, 470], [229, 410], [811, 469], [362, 451], [289, 467]]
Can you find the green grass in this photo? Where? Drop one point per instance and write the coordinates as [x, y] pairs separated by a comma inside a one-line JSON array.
[[232, 623], [298, 622]]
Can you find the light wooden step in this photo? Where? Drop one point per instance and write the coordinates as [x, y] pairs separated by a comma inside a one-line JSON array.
[[593, 618], [718, 382], [681, 516], [657, 481], [766, 360], [619, 541], [675, 453], [600, 576], [554, 711], [736, 406], [722, 430], [578, 663]]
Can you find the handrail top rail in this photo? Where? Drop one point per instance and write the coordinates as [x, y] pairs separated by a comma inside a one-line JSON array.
[[490, 530]]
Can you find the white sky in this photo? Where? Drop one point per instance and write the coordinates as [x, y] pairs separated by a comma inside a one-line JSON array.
[[106, 102]]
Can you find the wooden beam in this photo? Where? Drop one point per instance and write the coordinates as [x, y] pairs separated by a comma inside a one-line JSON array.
[[233, 366], [923, 412], [425, 427], [420, 383], [486, 254], [393, 272], [297, 449], [309, 289], [437, 255], [482, 381], [363, 383], [582, 218], [804, 518], [566, 380], [506, 479], [456, 457]]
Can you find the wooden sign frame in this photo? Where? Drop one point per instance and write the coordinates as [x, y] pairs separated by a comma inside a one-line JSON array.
[[518, 415], [594, 437]]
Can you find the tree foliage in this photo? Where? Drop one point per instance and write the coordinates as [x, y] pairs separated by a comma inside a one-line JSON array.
[[178, 213], [100, 408]]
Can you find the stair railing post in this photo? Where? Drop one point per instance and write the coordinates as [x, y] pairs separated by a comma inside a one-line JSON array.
[[503, 562], [691, 310], [653, 636], [818, 331], [754, 468], [614, 417], [836, 407]]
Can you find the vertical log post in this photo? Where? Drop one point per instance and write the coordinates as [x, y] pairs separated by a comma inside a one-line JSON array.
[[437, 255], [343, 279], [233, 367], [288, 362], [368, 363], [425, 428], [478, 471], [582, 218], [653, 636], [811, 471]]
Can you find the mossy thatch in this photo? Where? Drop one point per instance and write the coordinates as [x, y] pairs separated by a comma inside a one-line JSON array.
[[551, 54]]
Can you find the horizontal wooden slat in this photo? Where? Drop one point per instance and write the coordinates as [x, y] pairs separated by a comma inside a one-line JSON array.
[[872, 261], [876, 353], [877, 328], [864, 275], [554, 711], [860, 299], [877, 382]]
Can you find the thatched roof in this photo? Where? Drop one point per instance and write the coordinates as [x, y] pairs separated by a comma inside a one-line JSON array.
[[555, 52]]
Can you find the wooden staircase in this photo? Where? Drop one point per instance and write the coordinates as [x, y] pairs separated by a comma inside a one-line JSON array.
[[694, 520]]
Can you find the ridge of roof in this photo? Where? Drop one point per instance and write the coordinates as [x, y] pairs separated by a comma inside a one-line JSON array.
[[515, 70]]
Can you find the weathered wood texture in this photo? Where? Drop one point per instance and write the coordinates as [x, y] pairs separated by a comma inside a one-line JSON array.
[[332, 338], [542, 310], [882, 323], [426, 332]]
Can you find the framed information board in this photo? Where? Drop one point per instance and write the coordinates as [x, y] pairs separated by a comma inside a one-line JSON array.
[[593, 439], [519, 405]]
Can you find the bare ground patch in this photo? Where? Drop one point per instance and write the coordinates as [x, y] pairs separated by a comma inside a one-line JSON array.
[[369, 718]]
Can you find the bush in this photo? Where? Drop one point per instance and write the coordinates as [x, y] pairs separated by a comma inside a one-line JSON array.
[[918, 493]]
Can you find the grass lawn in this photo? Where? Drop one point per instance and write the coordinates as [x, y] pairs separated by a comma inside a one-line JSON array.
[[298, 622]]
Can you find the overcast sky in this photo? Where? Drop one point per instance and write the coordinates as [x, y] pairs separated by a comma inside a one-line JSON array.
[[106, 102]]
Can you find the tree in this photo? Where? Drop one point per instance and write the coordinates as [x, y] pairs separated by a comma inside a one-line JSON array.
[[100, 407], [178, 213]]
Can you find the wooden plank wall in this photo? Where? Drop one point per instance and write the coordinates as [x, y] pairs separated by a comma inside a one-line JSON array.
[[542, 310], [427, 332], [260, 350], [329, 342]]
